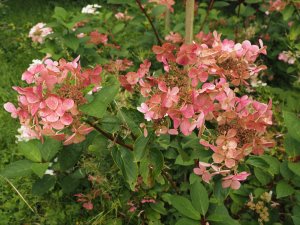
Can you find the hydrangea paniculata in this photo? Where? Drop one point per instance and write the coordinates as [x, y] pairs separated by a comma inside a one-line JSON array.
[[49, 104], [39, 31], [198, 86]]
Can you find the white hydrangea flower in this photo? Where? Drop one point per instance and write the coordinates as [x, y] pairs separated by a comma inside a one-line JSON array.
[[25, 134], [91, 9]]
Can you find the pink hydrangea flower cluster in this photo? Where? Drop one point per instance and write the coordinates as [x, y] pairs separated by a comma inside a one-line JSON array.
[[123, 16], [288, 57], [198, 86], [39, 31], [174, 38], [49, 106]]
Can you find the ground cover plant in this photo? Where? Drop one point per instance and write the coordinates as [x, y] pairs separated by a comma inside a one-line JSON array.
[[157, 112]]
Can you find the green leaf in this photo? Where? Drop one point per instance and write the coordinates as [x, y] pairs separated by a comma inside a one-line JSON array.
[[256, 161], [159, 207], [132, 118], [287, 12], [30, 150], [140, 147], [60, 14], [185, 207], [291, 145], [110, 123], [43, 185], [39, 168], [186, 221], [16, 169], [199, 197], [293, 124], [103, 98], [125, 161], [158, 10], [49, 148], [263, 176], [283, 189], [274, 164], [69, 156], [294, 167], [69, 184], [72, 42], [119, 27]]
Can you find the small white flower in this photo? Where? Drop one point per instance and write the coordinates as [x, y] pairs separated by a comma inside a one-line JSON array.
[[50, 172], [91, 9], [25, 134]]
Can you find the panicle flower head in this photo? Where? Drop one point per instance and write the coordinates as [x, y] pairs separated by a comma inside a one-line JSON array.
[[39, 31], [49, 105], [197, 85]]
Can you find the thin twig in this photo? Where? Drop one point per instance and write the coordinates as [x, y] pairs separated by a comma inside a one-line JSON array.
[[109, 136], [210, 6], [169, 178], [150, 21]]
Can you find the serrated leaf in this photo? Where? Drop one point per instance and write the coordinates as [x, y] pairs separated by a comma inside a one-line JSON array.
[[39, 168], [119, 27], [125, 162], [199, 197], [283, 189], [294, 167], [186, 221], [291, 145], [293, 124], [43, 185], [185, 207], [140, 147], [69, 156], [16, 169], [30, 150], [49, 148], [102, 99]]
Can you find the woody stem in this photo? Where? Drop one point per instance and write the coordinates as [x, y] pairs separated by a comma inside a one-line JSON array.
[[109, 136], [150, 21], [189, 21]]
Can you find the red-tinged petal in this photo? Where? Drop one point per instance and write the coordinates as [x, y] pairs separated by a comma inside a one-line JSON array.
[[198, 171], [66, 119], [9, 107], [52, 118], [88, 205], [218, 158], [203, 76], [235, 185], [52, 102], [68, 104], [206, 177], [70, 139], [58, 125], [173, 131], [226, 183], [230, 163]]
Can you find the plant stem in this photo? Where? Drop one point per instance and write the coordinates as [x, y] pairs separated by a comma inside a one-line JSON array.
[[189, 21], [167, 20], [109, 136], [167, 176], [150, 21], [210, 6]]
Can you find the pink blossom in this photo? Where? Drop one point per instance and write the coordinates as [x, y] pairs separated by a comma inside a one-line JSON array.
[[233, 181], [38, 32]]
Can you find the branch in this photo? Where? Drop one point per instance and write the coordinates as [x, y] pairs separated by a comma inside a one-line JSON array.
[[211, 4], [109, 136], [150, 21], [169, 178], [189, 21]]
